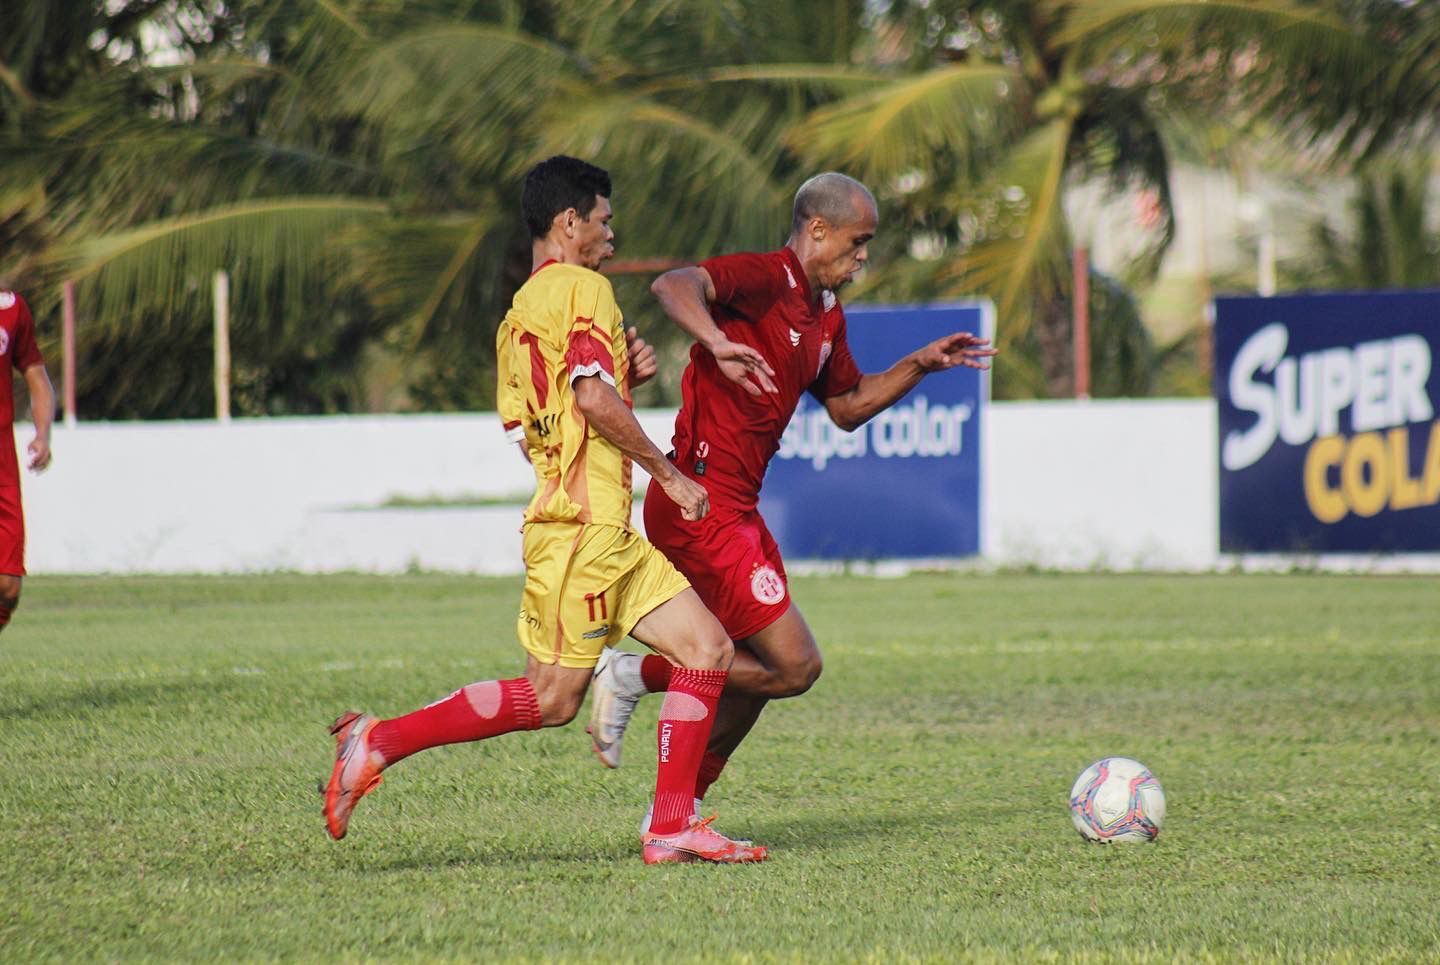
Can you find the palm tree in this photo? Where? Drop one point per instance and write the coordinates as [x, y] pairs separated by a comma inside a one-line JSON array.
[[355, 163], [355, 166], [1391, 241], [1007, 105]]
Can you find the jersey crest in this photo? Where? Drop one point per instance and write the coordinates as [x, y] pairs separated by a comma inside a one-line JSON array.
[[766, 585], [825, 349]]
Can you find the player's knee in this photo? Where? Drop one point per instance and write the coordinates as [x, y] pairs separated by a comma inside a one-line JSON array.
[[558, 709], [712, 649], [799, 677]]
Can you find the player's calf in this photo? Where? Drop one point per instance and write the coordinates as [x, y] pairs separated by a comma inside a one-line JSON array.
[[9, 598]]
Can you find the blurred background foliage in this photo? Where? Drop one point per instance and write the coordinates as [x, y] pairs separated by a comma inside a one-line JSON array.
[[355, 166]]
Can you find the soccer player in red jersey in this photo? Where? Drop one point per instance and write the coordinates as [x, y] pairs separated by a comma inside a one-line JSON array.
[[590, 579], [767, 328], [17, 340]]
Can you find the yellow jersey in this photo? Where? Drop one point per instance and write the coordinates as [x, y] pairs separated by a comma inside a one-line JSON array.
[[564, 324]]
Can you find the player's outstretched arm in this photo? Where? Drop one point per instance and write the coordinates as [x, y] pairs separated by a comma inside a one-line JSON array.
[[608, 414], [685, 295], [42, 413], [877, 392]]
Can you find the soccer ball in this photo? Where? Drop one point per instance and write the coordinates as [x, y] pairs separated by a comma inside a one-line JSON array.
[[1117, 799]]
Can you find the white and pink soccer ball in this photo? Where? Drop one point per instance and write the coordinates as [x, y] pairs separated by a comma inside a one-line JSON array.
[[1117, 799]]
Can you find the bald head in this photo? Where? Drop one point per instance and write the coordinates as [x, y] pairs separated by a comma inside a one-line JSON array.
[[835, 218], [836, 197]]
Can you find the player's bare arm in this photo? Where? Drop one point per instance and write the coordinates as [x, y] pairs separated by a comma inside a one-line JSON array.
[[877, 392], [608, 414], [685, 295], [42, 412]]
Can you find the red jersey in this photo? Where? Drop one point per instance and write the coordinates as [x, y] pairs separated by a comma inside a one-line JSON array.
[[724, 436], [18, 348]]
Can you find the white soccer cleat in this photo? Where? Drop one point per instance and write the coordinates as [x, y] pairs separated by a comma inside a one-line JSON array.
[[612, 703]]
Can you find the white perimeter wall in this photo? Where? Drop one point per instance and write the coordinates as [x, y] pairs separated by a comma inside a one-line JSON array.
[[1118, 484], [1115, 484]]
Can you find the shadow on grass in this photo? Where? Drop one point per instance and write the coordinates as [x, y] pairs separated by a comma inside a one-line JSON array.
[[112, 695], [824, 830], [800, 835]]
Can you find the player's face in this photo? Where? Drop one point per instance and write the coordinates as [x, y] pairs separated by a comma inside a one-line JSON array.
[[593, 235], [844, 249]]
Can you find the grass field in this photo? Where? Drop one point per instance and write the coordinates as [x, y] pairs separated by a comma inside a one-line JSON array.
[[161, 740]]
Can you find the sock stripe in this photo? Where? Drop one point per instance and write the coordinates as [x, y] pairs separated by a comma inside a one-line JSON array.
[[702, 683], [524, 701]]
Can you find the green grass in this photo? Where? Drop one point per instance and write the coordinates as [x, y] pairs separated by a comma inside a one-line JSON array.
[[161, 740]]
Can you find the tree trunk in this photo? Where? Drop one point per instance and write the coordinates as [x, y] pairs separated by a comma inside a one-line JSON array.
[[1053, 336]]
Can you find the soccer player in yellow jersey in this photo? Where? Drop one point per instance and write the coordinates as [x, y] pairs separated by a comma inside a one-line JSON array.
[[564, 388]]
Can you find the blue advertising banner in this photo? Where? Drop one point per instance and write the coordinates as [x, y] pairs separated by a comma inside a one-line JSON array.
[[906, 484], [1329, 441]]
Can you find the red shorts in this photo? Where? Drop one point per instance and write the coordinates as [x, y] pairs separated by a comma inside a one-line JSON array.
[[12, 532], [729, 557]]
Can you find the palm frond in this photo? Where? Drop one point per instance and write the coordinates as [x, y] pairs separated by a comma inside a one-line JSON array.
[[266, 245], [469, 87], [1409, 104], [823, 79], [111, 163], [1119, 140], [1026, 258], [1105, 26], [413, 268], [964, 111], [338, 14], [1302, 64], [703, 187]]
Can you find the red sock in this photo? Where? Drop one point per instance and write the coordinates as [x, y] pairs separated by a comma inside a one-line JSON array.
[[686, 719], [655, 671], [710, 767], [472, 713]]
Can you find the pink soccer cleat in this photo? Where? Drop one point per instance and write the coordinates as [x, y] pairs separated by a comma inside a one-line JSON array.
[[698, 842]]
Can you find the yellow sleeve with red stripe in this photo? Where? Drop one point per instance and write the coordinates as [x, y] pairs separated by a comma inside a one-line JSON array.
[[590, 348], [509, 396]]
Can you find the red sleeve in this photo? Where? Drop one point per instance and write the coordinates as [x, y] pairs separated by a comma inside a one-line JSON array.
[[747, 283], [839, 373], [25, 352]]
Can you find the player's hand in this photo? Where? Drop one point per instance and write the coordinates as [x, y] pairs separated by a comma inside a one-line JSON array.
[[39, 450], [689, 495], [642, 358], [744, 366], [962, 348]]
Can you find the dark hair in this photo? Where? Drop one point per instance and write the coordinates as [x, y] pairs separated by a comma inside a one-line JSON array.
[[556, 184]]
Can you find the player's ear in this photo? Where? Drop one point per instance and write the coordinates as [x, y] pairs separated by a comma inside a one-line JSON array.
[[818, 229], [565, 221]]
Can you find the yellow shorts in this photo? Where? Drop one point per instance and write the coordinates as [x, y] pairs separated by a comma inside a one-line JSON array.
[[586, 586]]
